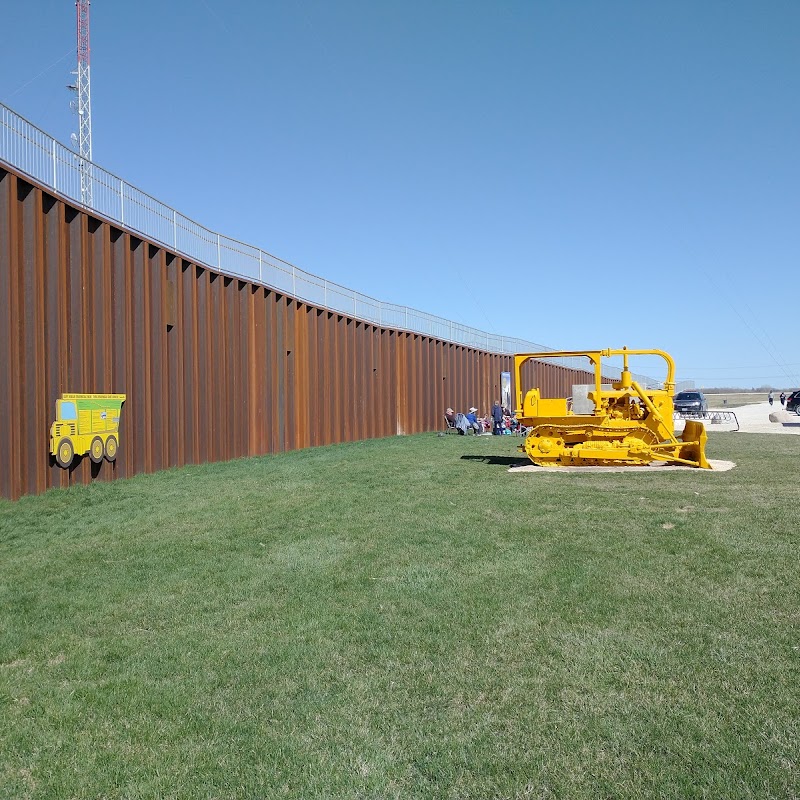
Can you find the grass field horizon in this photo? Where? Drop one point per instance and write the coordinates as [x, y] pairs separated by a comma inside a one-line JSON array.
[[404, 618]]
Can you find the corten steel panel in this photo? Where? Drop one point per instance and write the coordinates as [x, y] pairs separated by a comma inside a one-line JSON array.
[[217, 386], [173, 383], [346, 399], [351, 401], [159, 413], [277, 355], [213, 367], [16, 408], [186, 331], [118, 336], [33, 441], [416, 365], [408, 383], [391, 384], [383, 411], [428, 394], [291, 388], [362, 384], [347, 418], [139, 397], [281, 390], [55, 341], [326, 404], [9, 367], [312, 376], [378, 381], [243, 292], [231, 347], [351, 397], [96, 318], [82, 232], [205, 377], [270, 366], [367, 412], [305, 381], [351, 348], [320, 402], [370, 401], [333, 403], [256, 344], [358, 389], [7, 181]]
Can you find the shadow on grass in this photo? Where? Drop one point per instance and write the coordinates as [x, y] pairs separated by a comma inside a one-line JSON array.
[[497, 461]]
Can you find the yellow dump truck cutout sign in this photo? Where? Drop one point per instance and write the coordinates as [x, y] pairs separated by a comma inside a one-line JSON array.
[[86, 423], [628, 425]]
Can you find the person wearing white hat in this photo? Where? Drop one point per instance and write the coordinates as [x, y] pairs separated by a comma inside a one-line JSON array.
[[473, 420]]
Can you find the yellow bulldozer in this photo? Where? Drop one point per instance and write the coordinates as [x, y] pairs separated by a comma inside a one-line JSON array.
[[621, 423]]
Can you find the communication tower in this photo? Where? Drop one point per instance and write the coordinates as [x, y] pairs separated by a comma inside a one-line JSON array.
[[83, 103]]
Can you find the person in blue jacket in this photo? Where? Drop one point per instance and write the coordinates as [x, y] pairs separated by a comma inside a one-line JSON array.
[[497, 418]]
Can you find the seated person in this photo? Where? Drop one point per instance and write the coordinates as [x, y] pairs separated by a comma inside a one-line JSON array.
[[450, 416], [472, 419]]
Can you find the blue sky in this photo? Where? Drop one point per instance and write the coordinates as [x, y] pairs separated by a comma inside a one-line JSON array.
[[579, 174]]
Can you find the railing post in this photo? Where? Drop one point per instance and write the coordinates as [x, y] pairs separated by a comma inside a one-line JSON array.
[[325, 292], [122, 202], [174, 229], [294, 281], [260, 279], [406, 317], [219, 254], [55, 179]]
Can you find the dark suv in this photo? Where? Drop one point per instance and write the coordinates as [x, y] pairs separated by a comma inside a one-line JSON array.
[[793, 402], [690, 402]]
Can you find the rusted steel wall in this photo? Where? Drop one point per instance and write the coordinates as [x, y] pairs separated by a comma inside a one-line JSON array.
[[213, 367]]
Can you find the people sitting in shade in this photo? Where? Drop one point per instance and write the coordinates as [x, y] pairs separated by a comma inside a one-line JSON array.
[[472, 419]]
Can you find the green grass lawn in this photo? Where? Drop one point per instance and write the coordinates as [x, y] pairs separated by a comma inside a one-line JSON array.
[[404, 618]]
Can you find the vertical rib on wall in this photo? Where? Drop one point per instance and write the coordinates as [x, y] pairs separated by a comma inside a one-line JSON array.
[[214, 367]]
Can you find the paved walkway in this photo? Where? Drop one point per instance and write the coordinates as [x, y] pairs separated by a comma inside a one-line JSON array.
[[755, 418]]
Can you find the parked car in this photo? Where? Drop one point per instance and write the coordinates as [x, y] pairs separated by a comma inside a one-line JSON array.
[[793, 402], [690, 402]]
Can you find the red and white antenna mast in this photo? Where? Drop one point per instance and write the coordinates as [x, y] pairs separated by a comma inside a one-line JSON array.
[[83, 103]]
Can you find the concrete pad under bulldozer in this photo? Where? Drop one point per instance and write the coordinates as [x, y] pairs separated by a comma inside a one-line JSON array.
[[717, 465]]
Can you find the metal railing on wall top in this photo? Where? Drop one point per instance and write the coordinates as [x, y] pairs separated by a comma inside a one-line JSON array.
[[35, 153]]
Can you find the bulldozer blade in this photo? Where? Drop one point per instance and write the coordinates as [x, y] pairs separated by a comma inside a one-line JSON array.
[[694, 438]]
